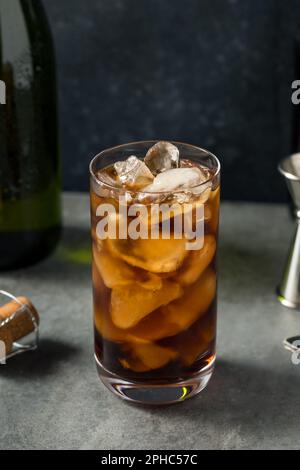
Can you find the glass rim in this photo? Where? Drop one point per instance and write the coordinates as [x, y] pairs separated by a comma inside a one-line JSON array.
[[151, 142]]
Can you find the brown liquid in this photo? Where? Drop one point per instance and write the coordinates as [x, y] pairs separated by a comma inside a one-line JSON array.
[[155, 302]]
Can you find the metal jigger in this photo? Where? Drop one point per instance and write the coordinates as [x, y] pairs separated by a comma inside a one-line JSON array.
[[289, 288]]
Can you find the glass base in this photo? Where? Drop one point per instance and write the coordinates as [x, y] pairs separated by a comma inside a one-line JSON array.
[[155, 393]]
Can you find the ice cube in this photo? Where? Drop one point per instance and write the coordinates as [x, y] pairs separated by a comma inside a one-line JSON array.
[[197, 262], [105, 177], [154, 255], [106, 328], [134, 364], [108, 187], [147, 356], [194, 342], [103, 322], [196, 300], [177, 179], [115, 272], [161, 157], [131, 303], [133, 173], [179, 315], [212, 209]]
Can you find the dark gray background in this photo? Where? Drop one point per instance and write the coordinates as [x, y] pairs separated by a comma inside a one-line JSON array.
[[216, 73]]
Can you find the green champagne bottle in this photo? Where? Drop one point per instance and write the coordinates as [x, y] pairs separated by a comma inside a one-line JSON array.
[[30, 213]]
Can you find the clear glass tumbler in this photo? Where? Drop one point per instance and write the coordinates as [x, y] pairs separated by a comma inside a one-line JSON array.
[[154, 288]]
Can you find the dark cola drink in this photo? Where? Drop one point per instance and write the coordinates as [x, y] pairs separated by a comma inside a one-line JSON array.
[[154, 287]]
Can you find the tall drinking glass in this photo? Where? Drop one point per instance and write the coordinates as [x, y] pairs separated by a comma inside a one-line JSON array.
[[154, 279]]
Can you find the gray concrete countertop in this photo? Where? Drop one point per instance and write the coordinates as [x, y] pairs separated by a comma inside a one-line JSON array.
[[52, 398]]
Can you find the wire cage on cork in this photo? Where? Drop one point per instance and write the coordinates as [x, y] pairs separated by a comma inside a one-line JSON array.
[[19, 326]]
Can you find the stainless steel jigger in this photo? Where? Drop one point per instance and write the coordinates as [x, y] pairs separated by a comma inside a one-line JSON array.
[[289, 288]]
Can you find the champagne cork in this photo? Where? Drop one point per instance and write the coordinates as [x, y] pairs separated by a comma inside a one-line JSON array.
[[13, 325]]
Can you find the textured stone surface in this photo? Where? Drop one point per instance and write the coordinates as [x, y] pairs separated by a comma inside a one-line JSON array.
[[52, 398], [215, 73]]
